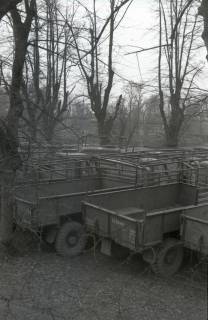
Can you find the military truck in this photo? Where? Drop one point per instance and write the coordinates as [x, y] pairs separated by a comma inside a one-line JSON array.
[[51, 205], [155, 221]]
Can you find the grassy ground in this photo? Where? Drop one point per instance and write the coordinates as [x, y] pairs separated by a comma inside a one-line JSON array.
[[44, 286]]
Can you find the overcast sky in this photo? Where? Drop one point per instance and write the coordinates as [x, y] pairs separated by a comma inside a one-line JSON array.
[[138, 29], [132, 33], [135, 32], [139, 20]]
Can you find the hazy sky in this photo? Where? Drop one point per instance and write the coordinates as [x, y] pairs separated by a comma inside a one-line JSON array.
[[132, 33], [135, 31], [138, 29]]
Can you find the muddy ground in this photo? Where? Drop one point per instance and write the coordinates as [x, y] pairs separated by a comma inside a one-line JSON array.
[[44, 286]]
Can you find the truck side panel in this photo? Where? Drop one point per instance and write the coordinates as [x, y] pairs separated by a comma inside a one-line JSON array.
[[194, 228]]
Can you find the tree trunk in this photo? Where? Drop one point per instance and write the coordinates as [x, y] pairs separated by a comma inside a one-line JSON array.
[[7, 206], [203, 11], [104, 131], [171, 138], [11, 161], [9, 145], [172, 130], [104, 134]]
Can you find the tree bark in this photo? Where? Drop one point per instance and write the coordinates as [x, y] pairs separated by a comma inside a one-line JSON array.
[[172, 137], [203, 11], [21, 32], [104, 132], [10, 139], [7, 206], [6, 6]]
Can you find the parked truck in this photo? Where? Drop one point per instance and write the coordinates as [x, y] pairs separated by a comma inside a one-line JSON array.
[[156, 221], [52, 207], [145, 211]]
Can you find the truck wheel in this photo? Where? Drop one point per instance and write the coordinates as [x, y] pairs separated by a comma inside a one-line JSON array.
[[71, 239], [169, 258]]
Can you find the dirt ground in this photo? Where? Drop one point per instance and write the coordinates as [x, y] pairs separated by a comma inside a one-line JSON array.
[[44, 286]]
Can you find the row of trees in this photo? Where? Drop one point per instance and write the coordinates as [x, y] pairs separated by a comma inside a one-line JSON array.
[[46, 44], [57, 45]]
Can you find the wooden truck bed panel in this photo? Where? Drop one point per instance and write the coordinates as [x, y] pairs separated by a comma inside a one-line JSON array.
[[51, 201], [106, 223], [194, 228], [131, 226]]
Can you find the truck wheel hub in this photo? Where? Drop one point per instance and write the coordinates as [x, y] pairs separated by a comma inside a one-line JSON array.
[[72, 240]]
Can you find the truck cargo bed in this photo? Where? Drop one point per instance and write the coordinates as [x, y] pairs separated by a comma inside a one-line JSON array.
[[136, 218]]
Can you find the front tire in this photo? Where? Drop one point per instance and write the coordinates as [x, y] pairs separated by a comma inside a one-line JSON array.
[[169, 258], [71, 239]]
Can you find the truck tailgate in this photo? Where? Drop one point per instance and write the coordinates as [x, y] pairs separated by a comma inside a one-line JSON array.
[[118, 226]]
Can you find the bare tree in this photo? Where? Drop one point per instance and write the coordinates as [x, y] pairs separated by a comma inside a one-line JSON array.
[[9, 128], [99, 86], [176, 68], [203, 11], [46, 83], [130, 116]]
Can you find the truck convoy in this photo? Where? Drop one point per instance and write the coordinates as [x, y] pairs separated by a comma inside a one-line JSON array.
[[155, 209]]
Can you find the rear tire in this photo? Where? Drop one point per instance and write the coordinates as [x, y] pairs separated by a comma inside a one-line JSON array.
[[71, 239], [169, 258]]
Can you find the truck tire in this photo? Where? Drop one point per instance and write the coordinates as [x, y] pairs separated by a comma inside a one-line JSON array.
[[70, 239], [169, 258]]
